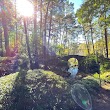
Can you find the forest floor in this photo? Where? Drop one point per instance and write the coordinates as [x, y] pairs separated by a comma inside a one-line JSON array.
[[101, 101]]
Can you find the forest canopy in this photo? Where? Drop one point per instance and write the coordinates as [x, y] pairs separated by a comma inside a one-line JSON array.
[[40, 29]]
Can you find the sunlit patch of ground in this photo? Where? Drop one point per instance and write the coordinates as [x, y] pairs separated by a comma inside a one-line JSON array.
[[101, 100], [106, 86], [105, 80]]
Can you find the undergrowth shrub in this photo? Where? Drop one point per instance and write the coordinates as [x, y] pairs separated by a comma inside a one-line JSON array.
[[104, 63], [95, 64], [90, 64]]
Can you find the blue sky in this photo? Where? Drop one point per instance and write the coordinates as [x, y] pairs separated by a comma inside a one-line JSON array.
[[77, 4]]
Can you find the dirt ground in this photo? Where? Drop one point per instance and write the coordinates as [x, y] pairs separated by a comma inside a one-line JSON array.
[[102, 101]]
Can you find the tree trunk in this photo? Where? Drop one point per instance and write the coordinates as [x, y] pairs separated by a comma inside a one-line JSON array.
[[16, 27], [35, 35], [86, 43], [27, 42], [44, 36], [67, 39], [106, 37], [5, 29], [1, 46], [103, 50], [92, 39], [41, 19], [50, 27], [45, 30], [106, 42]]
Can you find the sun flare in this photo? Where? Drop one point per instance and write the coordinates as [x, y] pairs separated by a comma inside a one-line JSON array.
[[24, 7]]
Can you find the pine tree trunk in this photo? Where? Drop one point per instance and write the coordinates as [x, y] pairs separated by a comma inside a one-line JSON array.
[[35, 35], [106, 42], [50, 27], [16, 27], [92, 40], [5, 29], [27, 42], [44, 36], [41, 34], [86, 42], [1, 46]]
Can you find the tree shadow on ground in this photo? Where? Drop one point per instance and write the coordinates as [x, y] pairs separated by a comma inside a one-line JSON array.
[[15, 100], [102, 100], [100, 96]]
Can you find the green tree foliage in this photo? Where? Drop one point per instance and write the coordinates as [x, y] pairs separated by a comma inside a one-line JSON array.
[[90, 64], [92, 11], [54, 29]]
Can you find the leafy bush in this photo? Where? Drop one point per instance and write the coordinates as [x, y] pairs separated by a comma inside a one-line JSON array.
[[35, 90], [90, 64], [105, 66], [91, 84], [24, 61], [103, 76], [104, 63], [95, 64], [108, 79], [40, 90]]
